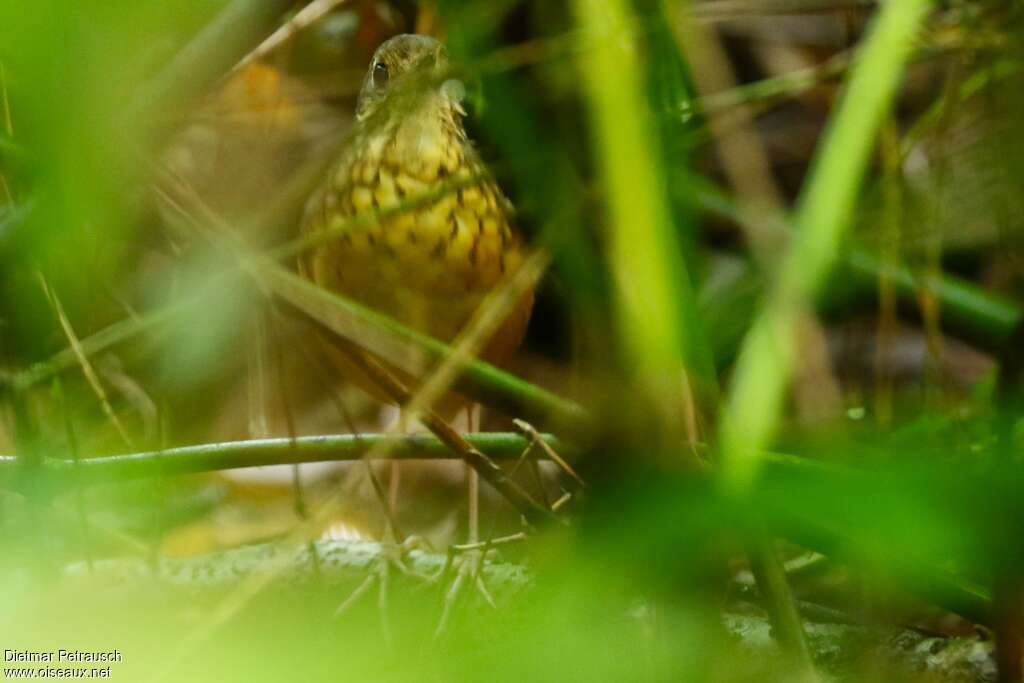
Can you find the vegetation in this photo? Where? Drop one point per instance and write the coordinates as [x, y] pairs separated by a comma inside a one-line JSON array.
[[766, 421]]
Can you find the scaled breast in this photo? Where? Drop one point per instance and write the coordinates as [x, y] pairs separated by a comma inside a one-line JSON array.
[[430, 266]]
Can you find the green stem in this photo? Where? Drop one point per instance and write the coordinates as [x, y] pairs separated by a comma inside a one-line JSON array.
[[768, 354], [653, 295], [744, 9], [986, 319], [277, 451]]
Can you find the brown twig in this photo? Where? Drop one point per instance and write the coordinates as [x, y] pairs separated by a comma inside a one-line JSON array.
[[504, 540], [355, 595], [83, 360], [308, 15], [535, 438], [534, 513]]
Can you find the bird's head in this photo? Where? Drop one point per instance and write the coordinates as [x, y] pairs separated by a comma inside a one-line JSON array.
[[406, 71]]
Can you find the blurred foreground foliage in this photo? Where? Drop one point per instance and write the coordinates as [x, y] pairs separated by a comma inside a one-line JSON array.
[[781, 336]]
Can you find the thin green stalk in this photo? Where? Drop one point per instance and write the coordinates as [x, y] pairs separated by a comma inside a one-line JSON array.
[[276, 451], [647, 268], [787, 85], [768, 354], [739, 9], [934, 585], [989, 320]]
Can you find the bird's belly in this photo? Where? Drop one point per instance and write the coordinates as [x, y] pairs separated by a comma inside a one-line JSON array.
[[428, 269]]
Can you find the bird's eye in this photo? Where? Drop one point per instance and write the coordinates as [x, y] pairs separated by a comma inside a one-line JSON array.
[[380, 74]]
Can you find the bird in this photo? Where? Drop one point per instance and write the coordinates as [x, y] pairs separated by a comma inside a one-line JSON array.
[[431, 266]]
